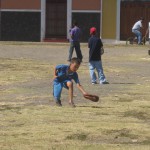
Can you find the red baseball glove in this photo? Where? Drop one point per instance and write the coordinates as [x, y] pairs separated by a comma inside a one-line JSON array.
[[93, 98]]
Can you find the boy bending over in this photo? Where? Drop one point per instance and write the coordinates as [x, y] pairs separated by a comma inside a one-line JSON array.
[[63, 76]]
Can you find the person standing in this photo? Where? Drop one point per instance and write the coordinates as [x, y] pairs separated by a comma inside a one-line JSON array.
[[95, 47], [136, 30], [75, 34]]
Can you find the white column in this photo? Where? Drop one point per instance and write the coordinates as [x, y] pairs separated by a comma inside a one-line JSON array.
[[101, 20], [69, 16], [118, 21], [43, 19], [149, 29]]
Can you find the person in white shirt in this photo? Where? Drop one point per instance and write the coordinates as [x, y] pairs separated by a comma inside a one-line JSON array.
[[136, 30]]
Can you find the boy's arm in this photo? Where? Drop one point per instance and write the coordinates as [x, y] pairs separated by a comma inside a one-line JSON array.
[[55, 74], [79, 86], [71, 33], [101, 44], [101, 47], [89, 43]]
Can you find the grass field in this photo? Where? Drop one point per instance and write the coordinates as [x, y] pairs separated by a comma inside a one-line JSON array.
[[29, 120]]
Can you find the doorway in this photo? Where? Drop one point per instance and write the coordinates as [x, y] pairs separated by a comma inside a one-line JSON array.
[[56, 19]]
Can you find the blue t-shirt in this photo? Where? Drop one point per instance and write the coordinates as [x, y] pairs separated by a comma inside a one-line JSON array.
[[64, 76]]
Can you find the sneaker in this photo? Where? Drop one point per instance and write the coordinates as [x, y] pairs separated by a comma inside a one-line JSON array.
[[58, 103], [94, 82], [105, 82], [140, 44]]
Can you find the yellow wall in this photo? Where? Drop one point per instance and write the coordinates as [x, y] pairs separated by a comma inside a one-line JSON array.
[[109, 13]]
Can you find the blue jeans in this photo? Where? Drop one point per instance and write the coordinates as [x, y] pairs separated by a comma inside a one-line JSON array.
[[98, 66], [76, 45], [138, 34], [57, 89]]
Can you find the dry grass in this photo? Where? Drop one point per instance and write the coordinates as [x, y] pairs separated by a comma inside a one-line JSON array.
[[21, 70], [27, 121]]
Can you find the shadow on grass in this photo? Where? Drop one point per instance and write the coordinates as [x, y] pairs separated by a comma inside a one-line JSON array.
[[90, 106], [124, 100], [136, 114], [146, 141], [121, 133], [123, 83], [10, 108], [80, 136]]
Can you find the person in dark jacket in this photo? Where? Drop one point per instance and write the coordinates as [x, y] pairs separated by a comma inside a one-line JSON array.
[[95, 46]]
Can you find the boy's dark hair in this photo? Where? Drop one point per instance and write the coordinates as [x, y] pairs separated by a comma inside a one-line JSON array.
[[75, 60]]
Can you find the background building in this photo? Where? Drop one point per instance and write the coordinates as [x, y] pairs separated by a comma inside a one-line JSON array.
[[39, 20], [130, 12], [20, 20]]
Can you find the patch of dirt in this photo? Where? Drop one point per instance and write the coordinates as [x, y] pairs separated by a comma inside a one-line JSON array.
[[130, 69]]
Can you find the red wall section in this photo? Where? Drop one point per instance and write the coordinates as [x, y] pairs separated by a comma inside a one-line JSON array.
[[86, 4], [21, 4]]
